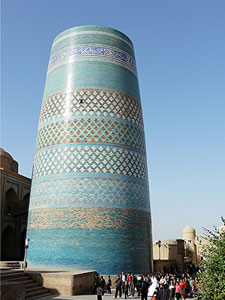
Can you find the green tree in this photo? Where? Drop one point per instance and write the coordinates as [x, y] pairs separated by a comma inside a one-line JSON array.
[[189, 252], [212, 275]]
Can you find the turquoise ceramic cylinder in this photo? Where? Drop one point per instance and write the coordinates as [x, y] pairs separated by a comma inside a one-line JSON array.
[[89, 206]]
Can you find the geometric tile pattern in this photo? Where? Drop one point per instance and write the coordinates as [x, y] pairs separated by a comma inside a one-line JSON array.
[[90, 159], [96, 102], [95, 190], [88, 130], [89, 205], [99, 53]]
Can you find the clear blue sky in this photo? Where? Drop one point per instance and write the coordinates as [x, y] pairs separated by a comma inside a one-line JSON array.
[[179, 48]]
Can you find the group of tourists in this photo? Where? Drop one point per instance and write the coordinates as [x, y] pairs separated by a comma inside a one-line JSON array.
[[148, 287], [101, 287]]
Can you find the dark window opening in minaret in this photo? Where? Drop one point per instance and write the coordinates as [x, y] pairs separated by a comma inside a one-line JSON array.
[[81, 100]]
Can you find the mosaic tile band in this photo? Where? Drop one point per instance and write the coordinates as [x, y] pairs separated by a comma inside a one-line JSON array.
[[90, 159], [107, 191], [89, 205], [96, 102], [87, 218], [92, 38], [91, 130], [95, 52]]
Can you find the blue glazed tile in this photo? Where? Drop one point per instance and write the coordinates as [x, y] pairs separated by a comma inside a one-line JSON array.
[[90, 206]]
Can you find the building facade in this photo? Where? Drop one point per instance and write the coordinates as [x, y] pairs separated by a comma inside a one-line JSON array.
[[15, 194], [168, 256], [90, 206], [182, 254], [189, 237], [194, 244]]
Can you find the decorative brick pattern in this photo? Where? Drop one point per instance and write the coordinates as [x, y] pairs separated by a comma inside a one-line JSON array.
[[91, 159], [97, 130], [92, 190], [89, 206], [88, 218], [96, 102]]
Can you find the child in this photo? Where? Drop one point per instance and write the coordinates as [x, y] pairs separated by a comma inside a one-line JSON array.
[[154, 297]]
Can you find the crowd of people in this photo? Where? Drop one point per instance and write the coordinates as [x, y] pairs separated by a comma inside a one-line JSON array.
[[148, 287]]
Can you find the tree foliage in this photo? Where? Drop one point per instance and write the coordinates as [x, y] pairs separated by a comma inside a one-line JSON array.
[[212, 274], [189, 252]]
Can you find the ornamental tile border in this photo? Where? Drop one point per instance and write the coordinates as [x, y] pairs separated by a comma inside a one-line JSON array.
[[96, 102], [91, 190], [109, 54], [88, 130], [91, 159], [91, 218]]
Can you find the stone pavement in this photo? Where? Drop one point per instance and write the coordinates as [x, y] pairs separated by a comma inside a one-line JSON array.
[[88, 297]]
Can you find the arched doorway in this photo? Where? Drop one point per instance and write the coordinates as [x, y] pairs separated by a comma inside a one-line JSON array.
[[10, 197], [22, 244], [27, 197], [26, 200], [8, 243]]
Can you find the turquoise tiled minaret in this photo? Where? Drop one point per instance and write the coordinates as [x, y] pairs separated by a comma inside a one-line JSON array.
[[89, 206]]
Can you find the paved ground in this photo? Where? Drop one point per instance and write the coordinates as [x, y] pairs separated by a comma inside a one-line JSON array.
[[88, 297]]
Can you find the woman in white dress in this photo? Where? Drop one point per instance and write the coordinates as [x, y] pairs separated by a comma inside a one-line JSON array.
[[153, 286]]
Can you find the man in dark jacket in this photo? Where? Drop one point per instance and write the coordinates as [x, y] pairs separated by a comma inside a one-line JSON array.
[[118, 286], [96, 283], [108, 285], [163, 293], [103, 285], [144, 290]]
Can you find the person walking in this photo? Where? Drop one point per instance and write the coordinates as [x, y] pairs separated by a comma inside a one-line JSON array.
[[102, 281], [177, 291], [187, 288], [118, 287], [129, 280], [144, 290], [109, 284], [195, 287], [123, 278], [99, 293], [134, 280], [163, 293], [139, 280], [153, 286], [96, 283], [191, 282], [172, 290], [126, 290], [132, 288], [183, 286]]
